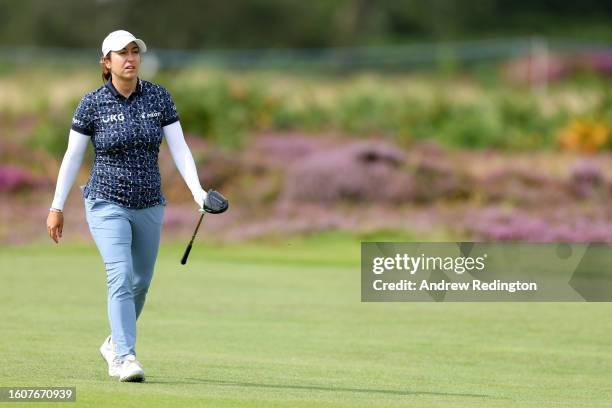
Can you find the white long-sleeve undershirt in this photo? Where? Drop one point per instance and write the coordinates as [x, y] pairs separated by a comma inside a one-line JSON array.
[[75, 152], [77, 145], [184, 160]]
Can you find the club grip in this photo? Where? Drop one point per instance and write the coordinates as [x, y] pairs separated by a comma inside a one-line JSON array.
[[186, 254]]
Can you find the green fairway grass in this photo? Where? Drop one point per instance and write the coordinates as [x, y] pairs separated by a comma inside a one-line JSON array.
[[280, 324]]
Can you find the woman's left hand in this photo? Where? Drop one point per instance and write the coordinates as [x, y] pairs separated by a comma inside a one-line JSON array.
[[199, 198]]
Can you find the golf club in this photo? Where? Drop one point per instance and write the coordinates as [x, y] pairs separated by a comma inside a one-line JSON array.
[[214, 203]]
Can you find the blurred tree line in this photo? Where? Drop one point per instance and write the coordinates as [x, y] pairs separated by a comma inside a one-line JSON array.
[[192, 24]]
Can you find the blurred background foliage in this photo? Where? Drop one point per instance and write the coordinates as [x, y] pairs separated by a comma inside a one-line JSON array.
[[446, 120], [228, 108], [195, 24]]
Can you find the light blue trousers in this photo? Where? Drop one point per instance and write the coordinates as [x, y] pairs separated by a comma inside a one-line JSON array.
[[128, 241]]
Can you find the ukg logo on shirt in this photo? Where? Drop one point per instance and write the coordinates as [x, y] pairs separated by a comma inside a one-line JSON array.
[[113, 118]]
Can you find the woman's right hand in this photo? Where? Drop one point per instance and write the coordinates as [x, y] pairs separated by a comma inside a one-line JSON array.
[[55, 224]]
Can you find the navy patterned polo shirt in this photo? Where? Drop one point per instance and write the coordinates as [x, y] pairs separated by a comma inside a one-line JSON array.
[[126, 134]]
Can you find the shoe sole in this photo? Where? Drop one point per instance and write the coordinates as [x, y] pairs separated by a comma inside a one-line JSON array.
[[138, 377]]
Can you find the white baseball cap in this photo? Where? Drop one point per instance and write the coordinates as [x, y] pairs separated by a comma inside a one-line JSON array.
[[117, 40]]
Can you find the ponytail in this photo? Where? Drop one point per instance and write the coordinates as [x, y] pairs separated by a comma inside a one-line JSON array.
[[106, 73]]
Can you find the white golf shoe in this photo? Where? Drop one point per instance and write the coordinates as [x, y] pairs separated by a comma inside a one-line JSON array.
[[107, 350], [131, 370]]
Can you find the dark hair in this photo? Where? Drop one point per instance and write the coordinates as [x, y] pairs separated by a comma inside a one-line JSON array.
[[106, 73]]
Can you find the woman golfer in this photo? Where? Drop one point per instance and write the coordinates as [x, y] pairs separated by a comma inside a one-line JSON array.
[[124, 119]]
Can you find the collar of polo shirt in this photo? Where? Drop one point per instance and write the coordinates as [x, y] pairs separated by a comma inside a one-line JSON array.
[[115, 92]]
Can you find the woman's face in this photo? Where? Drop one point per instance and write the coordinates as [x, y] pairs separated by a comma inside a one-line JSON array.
[[124, 63]]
